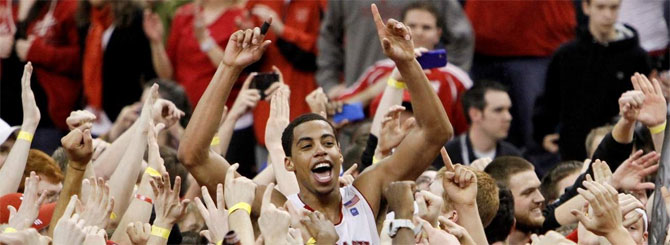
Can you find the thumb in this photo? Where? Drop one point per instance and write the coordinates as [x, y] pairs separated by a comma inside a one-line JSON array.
[[12, 211], [645, 186]]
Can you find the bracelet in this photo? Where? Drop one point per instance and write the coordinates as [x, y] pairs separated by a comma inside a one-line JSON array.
[[152, 172], [240, 205], [144, 198], [658, 128], [160, 232], [311, 241], [395, 83], [9, 230], [374, 160], [23, 135], [112, 216], [215, 141], [78, 169], [219, 242]]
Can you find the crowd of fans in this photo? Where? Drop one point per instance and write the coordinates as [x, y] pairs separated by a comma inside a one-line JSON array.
[[143, 121]]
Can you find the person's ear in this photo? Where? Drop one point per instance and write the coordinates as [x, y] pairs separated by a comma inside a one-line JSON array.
[[439, 32], [585, 8], [288, 164], [475, 114], [645, 237]]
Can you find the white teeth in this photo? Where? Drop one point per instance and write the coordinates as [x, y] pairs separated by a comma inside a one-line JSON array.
[[321, 165]]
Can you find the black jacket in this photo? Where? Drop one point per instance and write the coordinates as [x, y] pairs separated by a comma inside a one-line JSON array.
[[584, 82], [456, 152]]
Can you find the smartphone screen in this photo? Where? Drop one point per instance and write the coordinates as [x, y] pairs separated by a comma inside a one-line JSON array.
[[433, 59], [351, 112], [262, 81]]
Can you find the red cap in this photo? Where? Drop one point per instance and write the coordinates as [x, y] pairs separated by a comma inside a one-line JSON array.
[[15, 199]]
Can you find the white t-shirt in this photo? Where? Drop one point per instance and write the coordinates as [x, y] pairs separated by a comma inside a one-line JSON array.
[[357, 225]]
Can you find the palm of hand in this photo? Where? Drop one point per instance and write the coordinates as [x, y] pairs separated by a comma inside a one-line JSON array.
[[399, 48], [392, 135], [218, 222], [238, 56], [653, 110]]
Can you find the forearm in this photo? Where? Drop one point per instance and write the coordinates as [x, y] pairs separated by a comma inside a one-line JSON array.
[[138, 210], [194, 147], [392, 96], [623, 131], [161, 61], [562, 213], [109, 160], [286, 181], [156, 240], [11, 172], [215, 53], [71, 186], [472, 225], [658, 140], [240, 222], [124, 178], [369, 94], [404, 236], [620, 237], [428, 111], [265, 177]]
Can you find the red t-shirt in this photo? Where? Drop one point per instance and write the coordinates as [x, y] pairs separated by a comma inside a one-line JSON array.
[[449, 82], [192, 68], [521, 28]]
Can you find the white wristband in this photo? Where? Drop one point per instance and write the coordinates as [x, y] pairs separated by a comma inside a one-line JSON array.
[[207, 45]]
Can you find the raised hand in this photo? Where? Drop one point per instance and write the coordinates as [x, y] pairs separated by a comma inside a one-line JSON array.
[[435, 235], [400, 197], [80, 119], [78, 147], [459, 183], [654, 108], [97, 209], [29, 208], [245, 47], [154, 156], [94, 235], [238, 189], [153, 27], [631, 173], [347, 178], [168, 207], [395, 37], [602, 172], [69, 229], [629, 204], [320, 228], [273, 223], [481, 163], [246, 100], [215, 215], [429, 205], [279, 117], [166, 112], [629, 105], [138, 232], [317, 101], [31, 113], [392, 132], [458, 231], [606, 218]]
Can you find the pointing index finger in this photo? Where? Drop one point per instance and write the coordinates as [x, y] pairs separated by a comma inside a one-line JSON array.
[[446, 159], [378, 18]]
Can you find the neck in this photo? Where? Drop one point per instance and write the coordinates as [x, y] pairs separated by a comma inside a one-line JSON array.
[[602, 35], [518, 237], [328, 204], [481, 141]]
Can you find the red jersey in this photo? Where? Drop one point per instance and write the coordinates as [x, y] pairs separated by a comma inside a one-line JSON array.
[[293, 51], [192, 68], [449, 83]]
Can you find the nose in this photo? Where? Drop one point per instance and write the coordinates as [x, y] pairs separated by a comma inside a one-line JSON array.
[[319, 151], [508, 116], [538, 197]]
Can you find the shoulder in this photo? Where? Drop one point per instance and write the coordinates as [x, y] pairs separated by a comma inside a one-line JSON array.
[[509, 149]]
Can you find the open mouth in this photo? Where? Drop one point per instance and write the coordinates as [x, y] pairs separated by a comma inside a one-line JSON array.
[[322, 172]]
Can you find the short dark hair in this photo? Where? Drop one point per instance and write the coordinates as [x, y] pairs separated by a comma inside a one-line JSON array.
[[556, 174], [426, 6], [501, 225], [502, 168], [475, 96], [287, 135]]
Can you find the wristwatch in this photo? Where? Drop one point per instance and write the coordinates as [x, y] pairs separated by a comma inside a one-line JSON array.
[[396, 224]]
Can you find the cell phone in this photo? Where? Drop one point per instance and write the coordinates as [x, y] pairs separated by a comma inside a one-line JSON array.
[[351, 112], [262, 81], [433, 59]]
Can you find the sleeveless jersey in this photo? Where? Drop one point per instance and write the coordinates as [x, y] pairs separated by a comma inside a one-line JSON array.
[[357, 222]]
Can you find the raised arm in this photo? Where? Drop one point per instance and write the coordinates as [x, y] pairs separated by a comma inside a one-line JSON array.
[[277, 122], [154, 30], [432, 128], [11, 171]]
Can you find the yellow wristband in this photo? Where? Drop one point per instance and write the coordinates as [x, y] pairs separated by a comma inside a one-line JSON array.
[[152, 172], [219, 242], [374, 160], [112, 216], [215, 141], [160, 232], [9, 230], [240, 205], [23, 135], [395, 83], [658, 129], [311, 241]]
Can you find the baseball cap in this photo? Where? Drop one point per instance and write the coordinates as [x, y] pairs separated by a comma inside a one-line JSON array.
[[15, 199], [6, 130]]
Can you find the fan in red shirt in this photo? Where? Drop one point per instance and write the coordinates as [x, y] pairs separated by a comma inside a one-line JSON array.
[[449, 82], [294, 31]]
